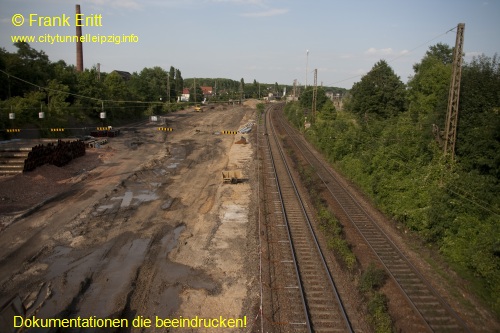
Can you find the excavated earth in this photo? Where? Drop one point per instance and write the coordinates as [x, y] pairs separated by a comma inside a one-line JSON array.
[[143, 226]]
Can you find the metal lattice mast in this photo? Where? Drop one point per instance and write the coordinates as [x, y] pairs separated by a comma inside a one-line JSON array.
[[315, 93], [453, 98]]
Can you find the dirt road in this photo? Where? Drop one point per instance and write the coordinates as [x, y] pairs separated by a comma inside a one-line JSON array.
[[148, 230]]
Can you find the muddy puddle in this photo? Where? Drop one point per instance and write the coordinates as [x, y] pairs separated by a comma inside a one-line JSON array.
[[172, 278], [102, 281]]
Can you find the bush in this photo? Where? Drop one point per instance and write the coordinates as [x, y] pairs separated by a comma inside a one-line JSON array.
[[379, 313], [372, 279]]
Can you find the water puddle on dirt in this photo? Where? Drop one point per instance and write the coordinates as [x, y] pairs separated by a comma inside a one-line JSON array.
[[95, 282], [174, 278], [115, 280], [133, 196], [169, 241]]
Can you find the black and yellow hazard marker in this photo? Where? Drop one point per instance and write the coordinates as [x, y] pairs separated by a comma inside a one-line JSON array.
[[102, 128], [229, 132], [13, 130], [166, 129], [57, 129]]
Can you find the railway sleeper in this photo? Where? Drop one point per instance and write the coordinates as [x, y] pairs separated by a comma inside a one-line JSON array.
[[429, 305], [404, 274], [435, 313], [316, 288], [422, 298], [412, 291], [328, 326]]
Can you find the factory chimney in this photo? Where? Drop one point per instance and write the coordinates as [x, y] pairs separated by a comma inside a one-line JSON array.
[[79, 46]]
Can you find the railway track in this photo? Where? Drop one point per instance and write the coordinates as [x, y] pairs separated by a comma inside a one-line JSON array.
[[425, 300], [310, 296]]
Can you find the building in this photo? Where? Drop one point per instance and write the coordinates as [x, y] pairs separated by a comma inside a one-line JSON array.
[[185, 95], [125, 75], [207, 91]]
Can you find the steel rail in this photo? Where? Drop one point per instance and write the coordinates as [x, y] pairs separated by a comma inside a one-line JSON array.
[[356, 213], [312, 234]]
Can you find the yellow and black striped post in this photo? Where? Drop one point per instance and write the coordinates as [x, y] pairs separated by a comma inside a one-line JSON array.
[[229, 132], [13, 130], [166, 129], [57, 129]]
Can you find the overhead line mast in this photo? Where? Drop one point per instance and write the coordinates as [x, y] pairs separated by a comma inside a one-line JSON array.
[[453, 98]]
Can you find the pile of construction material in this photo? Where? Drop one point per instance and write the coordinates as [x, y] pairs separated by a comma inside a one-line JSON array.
[[58, 154], [247, 128]]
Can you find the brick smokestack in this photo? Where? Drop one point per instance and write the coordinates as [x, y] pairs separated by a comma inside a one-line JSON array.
[[79, 46]]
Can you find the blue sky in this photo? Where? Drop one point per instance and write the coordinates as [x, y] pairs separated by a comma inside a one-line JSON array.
[[265, 40]]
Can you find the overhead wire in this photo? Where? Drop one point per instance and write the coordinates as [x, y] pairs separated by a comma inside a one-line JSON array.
[[397, 57], [78, 95]]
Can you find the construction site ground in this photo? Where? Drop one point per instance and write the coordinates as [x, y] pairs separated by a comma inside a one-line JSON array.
[[143, 226]]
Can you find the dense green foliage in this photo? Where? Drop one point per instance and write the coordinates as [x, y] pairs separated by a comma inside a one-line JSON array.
[[389, 140], [30, 83]]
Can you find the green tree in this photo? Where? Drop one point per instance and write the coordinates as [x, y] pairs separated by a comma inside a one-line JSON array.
[[152, 84], [173, 88], [478, 138], [428, 93], [179, 82], [57, 94], [255, 92], [306, 98], [379, 94], [196, 94], [241, 89]]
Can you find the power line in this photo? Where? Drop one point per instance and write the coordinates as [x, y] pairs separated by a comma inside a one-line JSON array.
[[397, 57], [73, 94]]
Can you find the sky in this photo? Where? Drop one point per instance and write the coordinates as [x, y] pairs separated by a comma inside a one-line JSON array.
[[264, 40]]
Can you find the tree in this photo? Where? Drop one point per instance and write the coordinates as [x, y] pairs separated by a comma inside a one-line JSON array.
[[255, 92], [478, 136], [179, 82], [380, 93], [172, 81], [199, 94], [307, 96], [152, 84], [441, 51], [57, 95], [242, 89], [428, 91]]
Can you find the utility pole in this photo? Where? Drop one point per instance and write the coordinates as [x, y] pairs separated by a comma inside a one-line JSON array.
[[315, 94], [453, 98]]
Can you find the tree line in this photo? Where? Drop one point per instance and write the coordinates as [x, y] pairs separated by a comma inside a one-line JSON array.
[[389, 139], [30, 84]]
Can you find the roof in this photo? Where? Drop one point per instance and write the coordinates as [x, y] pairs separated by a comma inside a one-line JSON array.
[[125, 75], [206, 90]]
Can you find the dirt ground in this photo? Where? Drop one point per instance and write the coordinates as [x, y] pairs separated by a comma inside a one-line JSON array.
[[143, 226]]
